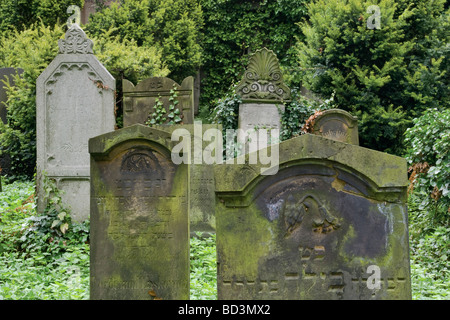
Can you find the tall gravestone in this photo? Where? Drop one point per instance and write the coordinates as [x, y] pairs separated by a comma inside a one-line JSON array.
[[139, 100], [74, 102], [139, 217], [330, 224], [263, 94]]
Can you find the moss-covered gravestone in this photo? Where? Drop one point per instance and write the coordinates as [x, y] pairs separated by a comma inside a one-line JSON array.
[[139, 101], [201, 174], [139, 217], [330, 224]]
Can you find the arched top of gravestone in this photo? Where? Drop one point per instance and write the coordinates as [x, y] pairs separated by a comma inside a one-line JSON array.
[[103, 145], [377, 170], [337, 124], [157, 84], [75, 52], [75, 42], [263, 81]]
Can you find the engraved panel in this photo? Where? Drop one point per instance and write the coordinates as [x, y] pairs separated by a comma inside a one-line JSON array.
[[300, 235]]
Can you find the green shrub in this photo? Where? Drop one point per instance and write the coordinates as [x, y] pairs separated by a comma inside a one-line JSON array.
[[384, 76], [36, 260], [428, 154], [21, 14], [233, 29], [298, 111], [203, 268], [171, 26]]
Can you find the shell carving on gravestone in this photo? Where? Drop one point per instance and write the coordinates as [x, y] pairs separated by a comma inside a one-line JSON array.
[[76, 42], [263, 79]]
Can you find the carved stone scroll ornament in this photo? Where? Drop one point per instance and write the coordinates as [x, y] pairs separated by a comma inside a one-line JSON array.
[[75, 42], [263, 80]]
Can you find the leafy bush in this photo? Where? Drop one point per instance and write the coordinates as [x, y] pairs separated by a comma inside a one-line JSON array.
[[233, 29], [36, 262], [384, 76], [298, 111], [171, 26], [429, 250], [428, 154], [32, 50], [20, 15], [203, 268]]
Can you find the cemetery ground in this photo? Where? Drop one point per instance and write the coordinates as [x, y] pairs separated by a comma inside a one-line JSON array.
[[38, 261]]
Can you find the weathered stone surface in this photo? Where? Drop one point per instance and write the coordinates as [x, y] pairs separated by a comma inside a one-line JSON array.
[[139, 100], [316, 228], [74, 102], [201, 180], [139, 217], [254, 116], [337, 124]]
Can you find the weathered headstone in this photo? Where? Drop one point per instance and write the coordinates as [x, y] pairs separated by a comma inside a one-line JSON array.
[[201, 177], [139, 100], [330, 224], [263, 94], [74, 102], [6, 75], [337, 124], [139, 217]]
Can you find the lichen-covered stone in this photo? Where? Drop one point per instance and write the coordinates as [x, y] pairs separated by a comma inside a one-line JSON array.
[[139, 100], [317, 229]]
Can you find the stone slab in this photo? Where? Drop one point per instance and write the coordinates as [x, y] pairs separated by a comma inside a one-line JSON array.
[[74, 102], [254, 116], [139, 217], [332, 223], [337, 124], [139, 100]]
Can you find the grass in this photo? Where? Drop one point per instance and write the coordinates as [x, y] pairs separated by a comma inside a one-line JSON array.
[[43, 267]]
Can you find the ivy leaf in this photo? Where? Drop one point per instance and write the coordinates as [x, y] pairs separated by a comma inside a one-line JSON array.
[[64, 227]]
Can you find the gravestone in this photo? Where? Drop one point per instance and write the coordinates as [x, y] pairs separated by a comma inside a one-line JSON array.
[[337, 124], [139, 217], [6, 75], [330, 224], [74, 102], [263, 94], [139, 100]]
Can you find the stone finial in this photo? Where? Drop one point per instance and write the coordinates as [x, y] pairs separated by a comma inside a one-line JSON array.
[[263, 81], [75, 42]]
